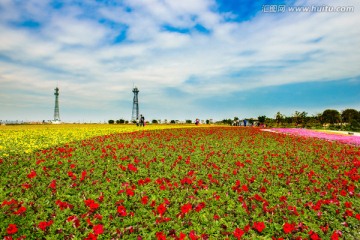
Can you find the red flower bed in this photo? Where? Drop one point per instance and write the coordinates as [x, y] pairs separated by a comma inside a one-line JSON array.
[[203, 183]]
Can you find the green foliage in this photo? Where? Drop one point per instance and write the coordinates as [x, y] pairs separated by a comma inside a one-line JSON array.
[[355, 125], [330, 116], [350, 114], [111, 121], [262, 119]]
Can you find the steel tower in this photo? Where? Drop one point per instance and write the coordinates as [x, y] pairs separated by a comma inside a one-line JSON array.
[[56, 110], [135, 110]]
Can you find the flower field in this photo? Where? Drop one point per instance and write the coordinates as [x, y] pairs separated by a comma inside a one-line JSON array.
[[28, 138], [184, 183], [349, 139]]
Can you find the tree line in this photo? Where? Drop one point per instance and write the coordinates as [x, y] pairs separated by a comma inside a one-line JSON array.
[[348, 119]]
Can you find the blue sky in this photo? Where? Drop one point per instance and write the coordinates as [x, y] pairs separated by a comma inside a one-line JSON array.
[[189, 58]]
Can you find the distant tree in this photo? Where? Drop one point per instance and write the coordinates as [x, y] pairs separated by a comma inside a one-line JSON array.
[[154, 121], [262, 119], [330, 116], [354, 125], [207, 121], [111, 121], [349, 114], [117, 121], [121, 121], [172, 121], [188, 121], [288, 120], [236, 118], [251, 121], [279, 118], [126, 122], [300, 117]]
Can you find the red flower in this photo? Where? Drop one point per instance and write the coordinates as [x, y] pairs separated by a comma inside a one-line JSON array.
[[91, 204], [193, 236], [12, 229], [186, 208], [52, 184], [244, 188], [20, 210], [32, 174], [182, 236], [132, 167], [144, 200], [122, 211], [83, 175], [216, 217], [75, 220], [288, 228], [91, 236], [160, 236], [130, 192], [247, 228], [98, 229], [259, 226], [314, 236], [336, 235], [63, 205], [348, 204], [44, 225], [26, 185], [238, 233], [161, 209], [349, 213], [283, 199], [200, 206]]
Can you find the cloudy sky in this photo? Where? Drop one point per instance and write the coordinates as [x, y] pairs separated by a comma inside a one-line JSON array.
[[189, 58]]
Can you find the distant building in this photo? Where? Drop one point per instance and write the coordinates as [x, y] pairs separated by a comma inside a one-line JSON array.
[[56, 109]]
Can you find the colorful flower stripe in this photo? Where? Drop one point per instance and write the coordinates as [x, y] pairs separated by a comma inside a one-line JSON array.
[[28, 138], [351, 139]]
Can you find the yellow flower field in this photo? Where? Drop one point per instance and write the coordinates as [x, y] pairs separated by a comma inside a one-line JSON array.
[[21, 139]]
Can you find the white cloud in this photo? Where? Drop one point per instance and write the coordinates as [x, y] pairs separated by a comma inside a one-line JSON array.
[[74, 49], [69, 30]]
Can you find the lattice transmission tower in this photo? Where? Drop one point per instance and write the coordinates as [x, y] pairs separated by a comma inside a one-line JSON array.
[[56, 109], [135, 110]]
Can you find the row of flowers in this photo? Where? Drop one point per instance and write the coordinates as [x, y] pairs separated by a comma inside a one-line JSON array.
[[349, 139]]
